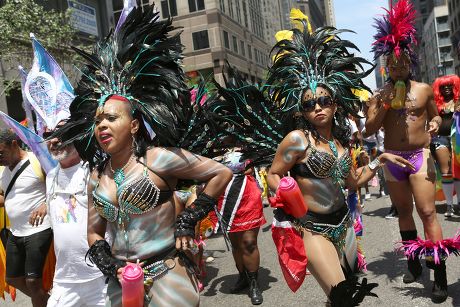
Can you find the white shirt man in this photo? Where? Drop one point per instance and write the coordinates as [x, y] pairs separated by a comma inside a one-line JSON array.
[[75, 283]]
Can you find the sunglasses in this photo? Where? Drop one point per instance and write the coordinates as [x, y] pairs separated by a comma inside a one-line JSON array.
[[323, 102]]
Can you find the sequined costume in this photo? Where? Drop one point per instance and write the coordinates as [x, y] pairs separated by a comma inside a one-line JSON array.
[[328, 213], [140, 64]]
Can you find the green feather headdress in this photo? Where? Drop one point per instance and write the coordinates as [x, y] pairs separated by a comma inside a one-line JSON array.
[[141, 62], [305, 59]]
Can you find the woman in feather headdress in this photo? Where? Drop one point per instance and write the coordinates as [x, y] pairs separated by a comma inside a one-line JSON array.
[[446, 95], [314, 77], [130, 120], [300, 120], [407, 111]]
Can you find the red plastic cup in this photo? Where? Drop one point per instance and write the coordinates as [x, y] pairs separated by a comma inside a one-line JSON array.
[[292, 197], [132, 285]]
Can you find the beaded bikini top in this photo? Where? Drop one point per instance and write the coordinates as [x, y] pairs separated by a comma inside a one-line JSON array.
[[321, 164], [139, 196]]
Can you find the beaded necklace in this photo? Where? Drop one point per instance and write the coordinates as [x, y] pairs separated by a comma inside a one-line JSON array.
[[119, 174], [331, 144]]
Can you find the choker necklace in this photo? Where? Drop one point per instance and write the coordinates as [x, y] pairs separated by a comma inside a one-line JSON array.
[[119, 174], [331, 145]]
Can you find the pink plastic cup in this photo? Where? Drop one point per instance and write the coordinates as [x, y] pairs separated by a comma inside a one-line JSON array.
[[132, 285]]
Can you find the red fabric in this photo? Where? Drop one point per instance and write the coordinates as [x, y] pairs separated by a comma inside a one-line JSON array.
[[291, 255], [250, 213]]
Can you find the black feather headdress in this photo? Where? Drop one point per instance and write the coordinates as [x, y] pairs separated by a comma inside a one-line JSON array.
[[142, 63], [305, 59]]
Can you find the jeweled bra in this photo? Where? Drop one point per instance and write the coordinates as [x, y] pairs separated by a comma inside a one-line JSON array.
[[139, 196], [321, 164]]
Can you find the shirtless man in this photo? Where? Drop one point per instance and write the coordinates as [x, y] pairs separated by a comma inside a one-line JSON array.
[[407, 133]]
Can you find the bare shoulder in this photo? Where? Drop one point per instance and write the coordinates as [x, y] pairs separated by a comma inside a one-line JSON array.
[[422, 86], [166, 158], [296, 138]]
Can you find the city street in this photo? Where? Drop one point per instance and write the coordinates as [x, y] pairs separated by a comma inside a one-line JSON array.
[[384, 267]]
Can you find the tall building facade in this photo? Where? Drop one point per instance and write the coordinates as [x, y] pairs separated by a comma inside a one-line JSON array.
[[272, 19], [216, 31], [320, 12], [436, 58], [380, 72], [454, 25]]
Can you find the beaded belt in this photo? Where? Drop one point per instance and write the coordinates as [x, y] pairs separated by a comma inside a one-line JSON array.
[[332, 226], [157, 266]]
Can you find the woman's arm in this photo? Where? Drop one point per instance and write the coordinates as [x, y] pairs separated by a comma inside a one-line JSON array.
[[179, 163], [96, 224], [362, 175], [176, 163], [290, 150], [100, 251]]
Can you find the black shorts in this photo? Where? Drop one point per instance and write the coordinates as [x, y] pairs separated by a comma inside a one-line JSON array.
[[25, 256]]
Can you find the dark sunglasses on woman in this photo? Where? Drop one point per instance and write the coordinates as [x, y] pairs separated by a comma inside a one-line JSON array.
[[323, 102]]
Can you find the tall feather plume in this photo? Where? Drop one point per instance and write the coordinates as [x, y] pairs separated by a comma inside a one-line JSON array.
[[307, 60], [396, 31], [141, 62], [252, 120]]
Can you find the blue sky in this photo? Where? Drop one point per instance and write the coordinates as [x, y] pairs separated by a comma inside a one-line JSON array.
[[357, 15]]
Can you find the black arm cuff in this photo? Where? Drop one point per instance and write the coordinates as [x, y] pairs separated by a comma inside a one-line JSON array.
[[100, 254], [187, 219]]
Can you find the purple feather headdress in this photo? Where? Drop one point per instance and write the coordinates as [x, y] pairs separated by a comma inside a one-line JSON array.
[[396, 32]]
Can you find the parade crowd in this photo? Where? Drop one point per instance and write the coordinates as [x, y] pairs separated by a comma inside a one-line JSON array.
[[135, 171]]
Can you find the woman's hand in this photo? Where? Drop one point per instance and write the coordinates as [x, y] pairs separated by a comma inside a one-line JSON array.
[[388, 157]]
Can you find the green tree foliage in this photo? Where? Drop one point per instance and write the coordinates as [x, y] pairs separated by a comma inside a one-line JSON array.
[[18, 18]]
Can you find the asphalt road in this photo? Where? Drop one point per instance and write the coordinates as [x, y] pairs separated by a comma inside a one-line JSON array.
[[385, 267]]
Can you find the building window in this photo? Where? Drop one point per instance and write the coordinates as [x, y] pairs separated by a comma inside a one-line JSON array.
[[195, 5], [230, 8], [200, 40], [250, 52], [243, 51], [245, 15], [226, 40], [235, 44], [222, 5], [238, 12], [168, 8]]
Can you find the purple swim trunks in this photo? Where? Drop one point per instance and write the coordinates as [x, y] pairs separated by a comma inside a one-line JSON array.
[[416, 157]]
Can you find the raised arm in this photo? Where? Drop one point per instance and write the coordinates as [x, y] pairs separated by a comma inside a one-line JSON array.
[[181, 164], [375, 113], [289, 152]]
